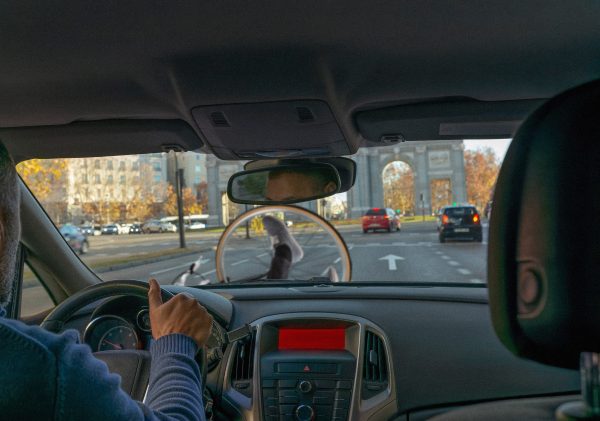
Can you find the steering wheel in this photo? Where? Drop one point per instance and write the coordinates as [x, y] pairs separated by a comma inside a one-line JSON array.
[[245, 249], [132, 365]]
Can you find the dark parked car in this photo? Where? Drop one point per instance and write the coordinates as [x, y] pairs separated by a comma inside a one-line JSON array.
[[135, 229], [110, 229], [75, 238], [381, 218], [460, 222]]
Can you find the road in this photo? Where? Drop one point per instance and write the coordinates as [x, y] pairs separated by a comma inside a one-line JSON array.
[[411, 255]]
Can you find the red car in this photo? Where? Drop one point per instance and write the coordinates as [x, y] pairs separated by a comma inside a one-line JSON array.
[[380, 218]]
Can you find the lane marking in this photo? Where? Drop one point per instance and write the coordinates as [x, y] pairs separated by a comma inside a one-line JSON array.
[[240, 262], [445, 257], [172, 268], [453, 263], [464, 271], [209, 272], [263, 254], [391, 259], [337, 260], [476, 281]]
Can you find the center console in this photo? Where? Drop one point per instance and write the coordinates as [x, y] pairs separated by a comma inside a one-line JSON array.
[[311, 366]]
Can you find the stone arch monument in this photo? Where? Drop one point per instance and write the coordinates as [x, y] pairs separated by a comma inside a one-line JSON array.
[[429, 161]]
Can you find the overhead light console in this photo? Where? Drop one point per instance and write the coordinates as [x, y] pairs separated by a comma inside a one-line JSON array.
[[282, 129]]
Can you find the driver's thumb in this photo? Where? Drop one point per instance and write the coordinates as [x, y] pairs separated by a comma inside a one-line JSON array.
[[154, 297]]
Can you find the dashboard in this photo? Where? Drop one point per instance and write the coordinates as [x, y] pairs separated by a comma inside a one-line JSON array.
[[343, 353]]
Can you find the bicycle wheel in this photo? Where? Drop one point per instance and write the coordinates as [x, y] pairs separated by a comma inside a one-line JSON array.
[[245, 249]]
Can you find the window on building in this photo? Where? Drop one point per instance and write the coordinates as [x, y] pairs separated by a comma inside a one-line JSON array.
[[157, 177], [122, 179], [135, 166], [84, 179], [109, 165], [97, 179], [121, 165], [97, 164], [110, 179], [156, 166]]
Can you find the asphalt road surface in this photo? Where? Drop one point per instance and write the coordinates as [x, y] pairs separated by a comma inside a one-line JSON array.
[[411, 255]]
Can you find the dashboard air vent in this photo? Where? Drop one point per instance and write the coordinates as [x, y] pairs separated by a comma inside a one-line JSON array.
[[305, 115], [243, 366], [375, 371], [218, 119]]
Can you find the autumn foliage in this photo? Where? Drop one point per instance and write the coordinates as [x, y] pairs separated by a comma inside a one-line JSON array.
[[481, 172]]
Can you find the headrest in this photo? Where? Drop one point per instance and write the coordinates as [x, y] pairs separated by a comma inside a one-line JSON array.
[[544, 242]]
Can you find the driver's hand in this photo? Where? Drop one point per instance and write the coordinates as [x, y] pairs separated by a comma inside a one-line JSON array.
[[181, 314]]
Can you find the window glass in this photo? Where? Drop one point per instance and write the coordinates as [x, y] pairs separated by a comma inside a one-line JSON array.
[[446, 175], [34, 297]]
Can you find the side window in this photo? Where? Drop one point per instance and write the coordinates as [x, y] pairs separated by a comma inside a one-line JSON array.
[[34, 297]]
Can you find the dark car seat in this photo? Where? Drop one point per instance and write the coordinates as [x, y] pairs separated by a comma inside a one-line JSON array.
[[544, 253]]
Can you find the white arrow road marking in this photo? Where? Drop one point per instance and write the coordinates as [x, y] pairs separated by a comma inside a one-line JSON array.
[[391, 258]]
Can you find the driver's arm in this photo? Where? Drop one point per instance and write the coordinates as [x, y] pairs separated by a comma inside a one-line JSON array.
[[86, 390]]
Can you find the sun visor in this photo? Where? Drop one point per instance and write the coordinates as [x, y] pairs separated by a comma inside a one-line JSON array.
[[544, 248], [443, 119], [100, 138], [283, 129]]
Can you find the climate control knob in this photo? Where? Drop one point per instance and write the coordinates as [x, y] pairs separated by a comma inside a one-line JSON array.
[[305, 386], [305, 413]]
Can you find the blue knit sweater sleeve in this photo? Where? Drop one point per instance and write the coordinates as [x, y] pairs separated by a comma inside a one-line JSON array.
[[86, 390], [80, 387]]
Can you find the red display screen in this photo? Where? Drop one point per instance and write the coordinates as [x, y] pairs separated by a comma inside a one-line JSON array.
[[292, 338]]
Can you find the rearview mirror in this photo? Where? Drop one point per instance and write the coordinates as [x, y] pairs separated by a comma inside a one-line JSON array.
[[284, 184]]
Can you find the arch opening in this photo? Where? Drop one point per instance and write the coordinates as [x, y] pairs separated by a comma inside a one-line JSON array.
[[399, 187]]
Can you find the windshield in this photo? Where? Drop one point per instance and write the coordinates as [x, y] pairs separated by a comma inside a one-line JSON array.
[[400, 222]]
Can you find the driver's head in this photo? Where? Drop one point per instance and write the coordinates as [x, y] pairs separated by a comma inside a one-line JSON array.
[[284, 185], [10, 225]]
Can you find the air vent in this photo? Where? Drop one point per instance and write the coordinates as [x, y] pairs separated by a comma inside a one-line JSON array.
[[375, 372], [243, 366], [218, 119], [305, 115]]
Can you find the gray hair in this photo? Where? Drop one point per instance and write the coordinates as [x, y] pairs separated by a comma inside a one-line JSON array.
[[10, 225]]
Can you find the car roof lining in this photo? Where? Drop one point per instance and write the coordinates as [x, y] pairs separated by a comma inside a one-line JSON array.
[[74, 62]]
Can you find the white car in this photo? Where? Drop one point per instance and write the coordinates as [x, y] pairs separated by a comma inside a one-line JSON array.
[[194, 226], [168, 227]]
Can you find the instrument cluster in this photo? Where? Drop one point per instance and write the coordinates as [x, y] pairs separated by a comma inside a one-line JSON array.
[[124, 323]]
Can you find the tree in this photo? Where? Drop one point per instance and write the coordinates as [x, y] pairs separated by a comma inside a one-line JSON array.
[[202, 194], [190, 202], [46, 178], [43, 176], [481, 172], [139, 208], [399, 187]]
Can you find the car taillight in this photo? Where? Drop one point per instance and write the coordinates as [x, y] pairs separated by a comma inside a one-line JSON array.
[[386, 217], [445, 219], [476, 218]]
